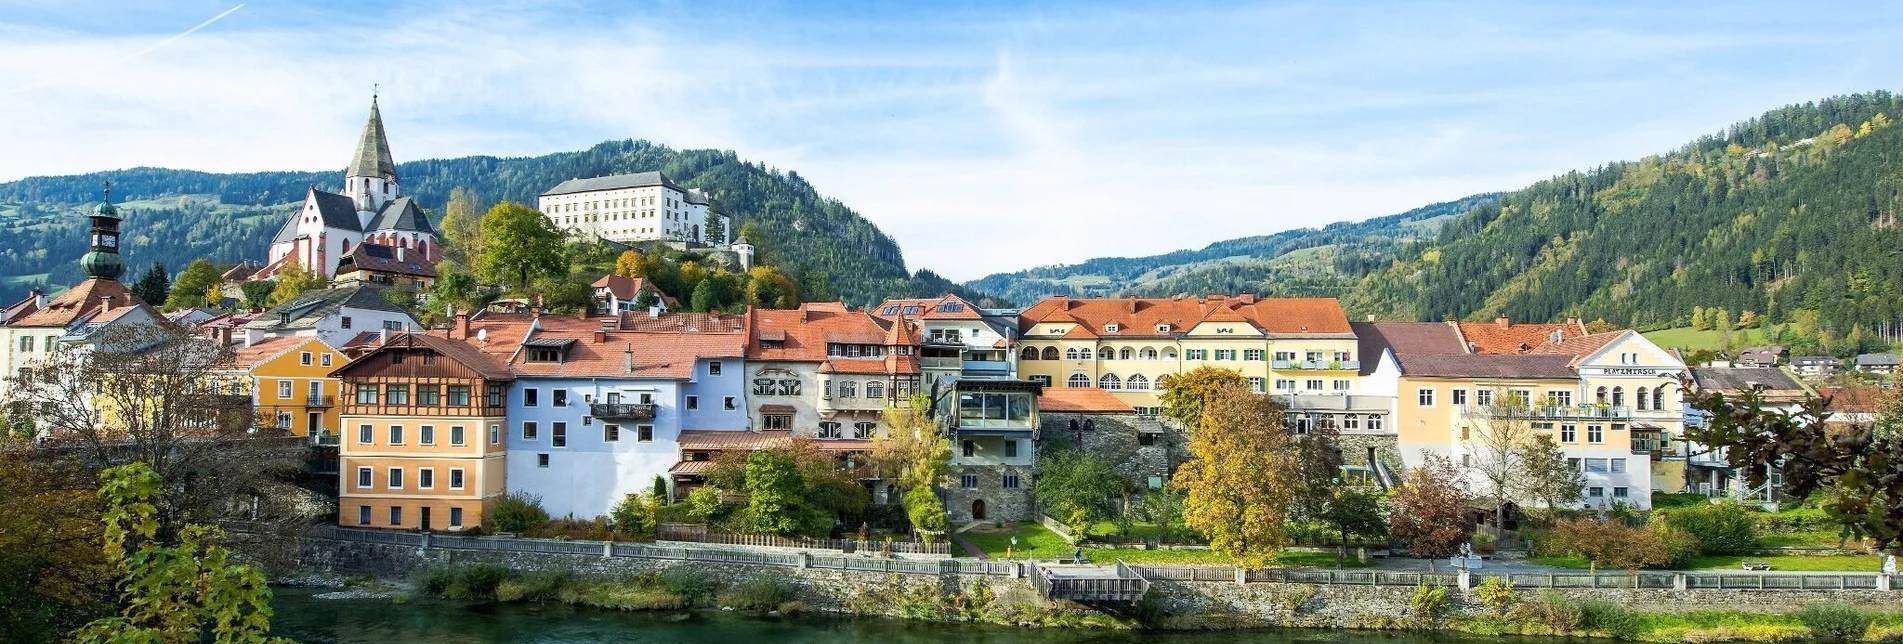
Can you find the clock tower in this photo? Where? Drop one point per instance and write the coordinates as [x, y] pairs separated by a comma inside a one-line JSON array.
[[104, 262]]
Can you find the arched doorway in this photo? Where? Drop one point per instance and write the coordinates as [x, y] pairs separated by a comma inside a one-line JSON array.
[[978, 510]]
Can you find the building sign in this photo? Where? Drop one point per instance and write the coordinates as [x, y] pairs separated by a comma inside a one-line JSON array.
[[1650, 372]]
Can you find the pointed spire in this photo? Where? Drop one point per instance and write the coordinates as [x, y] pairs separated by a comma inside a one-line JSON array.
[[373, 149]]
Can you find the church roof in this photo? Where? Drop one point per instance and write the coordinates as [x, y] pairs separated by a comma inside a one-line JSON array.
[[373, 149], [400, 213], [614, 182]]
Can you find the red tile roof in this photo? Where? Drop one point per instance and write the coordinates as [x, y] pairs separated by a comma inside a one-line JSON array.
[[1580, 347], [695, 440], [264, 350], [1140, 317], [805, 332], [79, 302], [599, 352], [950, 307], [382, 258], [629, 288], [1081, 400], [1506, 337]]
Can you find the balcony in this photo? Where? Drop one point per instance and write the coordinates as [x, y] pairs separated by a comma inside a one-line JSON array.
[[946, 340], [1331, 402], [992, 367], [1576, 412], [320, 401], [1317, 365], [935, 362], [630, 411]]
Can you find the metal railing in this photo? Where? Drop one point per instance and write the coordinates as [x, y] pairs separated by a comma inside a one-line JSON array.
[[320, 401], [1556, 412], [1316, 365], [635, 411], [673, 552]]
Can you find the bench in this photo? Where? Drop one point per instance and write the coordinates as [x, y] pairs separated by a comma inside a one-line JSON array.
[[1756, 565]]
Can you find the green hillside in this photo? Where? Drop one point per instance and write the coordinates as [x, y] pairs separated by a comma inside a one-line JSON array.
[[180, 215]]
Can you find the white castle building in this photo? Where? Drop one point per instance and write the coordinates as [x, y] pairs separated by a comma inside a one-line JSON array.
[[371, 210], [643, 206]]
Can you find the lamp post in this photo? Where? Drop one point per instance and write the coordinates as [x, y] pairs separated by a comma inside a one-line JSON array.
[[1012, 547]]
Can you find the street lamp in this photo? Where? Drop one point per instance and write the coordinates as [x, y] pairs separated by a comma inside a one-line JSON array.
[[1013, 546]]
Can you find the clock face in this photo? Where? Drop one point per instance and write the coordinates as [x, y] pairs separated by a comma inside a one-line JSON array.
[[109, 241]]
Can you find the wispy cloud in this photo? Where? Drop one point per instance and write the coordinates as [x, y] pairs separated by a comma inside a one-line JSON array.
[[984, 137]]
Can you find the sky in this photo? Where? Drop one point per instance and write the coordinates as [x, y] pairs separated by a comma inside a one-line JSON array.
[[984, 137]]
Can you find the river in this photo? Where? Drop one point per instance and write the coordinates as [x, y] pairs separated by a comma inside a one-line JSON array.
[[315, 621]]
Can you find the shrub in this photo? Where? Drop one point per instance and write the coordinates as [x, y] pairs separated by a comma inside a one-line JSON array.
[[536, 587], [762, 592], [1794, 520], [794, 608], [1723, 529], [1680, 546], [1496, 593], [1834, 621], [693, 586], [1609, 618], [517, 513], [435, 579], [1295, 597], [1555, 612], [475, 582], [635, 514], [1428, 602], [704, 503]]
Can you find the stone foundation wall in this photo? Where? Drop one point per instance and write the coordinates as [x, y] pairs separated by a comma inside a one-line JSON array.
[[1001, 504], [1117, 439], [1387, 449]]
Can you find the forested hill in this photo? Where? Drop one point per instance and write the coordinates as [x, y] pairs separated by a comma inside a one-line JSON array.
[[1307, 261], [179, 215], [1793, 215]]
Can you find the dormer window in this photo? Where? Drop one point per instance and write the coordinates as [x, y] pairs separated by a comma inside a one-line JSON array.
[[540, 354], [1162, 328], [1111, 328]]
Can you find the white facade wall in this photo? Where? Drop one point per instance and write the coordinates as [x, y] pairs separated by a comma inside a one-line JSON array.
[[587, 474], [630, 214], [332, 330]]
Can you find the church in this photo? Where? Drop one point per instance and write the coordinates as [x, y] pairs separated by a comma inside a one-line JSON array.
[[330, 227]]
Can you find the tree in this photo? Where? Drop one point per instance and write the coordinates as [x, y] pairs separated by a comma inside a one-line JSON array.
[[1700, 321], [453, 285], [1079, 488], [462, 228], [1499, 445], [153, 285], [176, 590], [294, 280], [628, 264], [1162, 507], [769, 288], [816, 285], [1353, 514], [257, 293], [1429, 510], [1748, 320], [1722, 320], [1851, 462], [1548, 479], [713, 231], [776, 495], [1318, 473], [1239, 479], [1185, 395], [833, 490], [196, 287], [53, 577], [917, 456], [519, 245], [1600, 325], [1616, 545]]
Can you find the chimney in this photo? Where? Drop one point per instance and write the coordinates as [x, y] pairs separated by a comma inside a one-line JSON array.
[[383, 337], [1370, 317], [402, 253], [1503, 322], [39, 298], [105, 304], [627, 358], [601, 336], [654, 312], [1573, 322], [1246, 297], [461, 330], [610, 324]]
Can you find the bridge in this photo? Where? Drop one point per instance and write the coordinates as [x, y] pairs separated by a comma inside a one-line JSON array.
[[1090, 583]]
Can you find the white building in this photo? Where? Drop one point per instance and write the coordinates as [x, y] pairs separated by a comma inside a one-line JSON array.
[[370, 210], [643, 206], [333, 315]]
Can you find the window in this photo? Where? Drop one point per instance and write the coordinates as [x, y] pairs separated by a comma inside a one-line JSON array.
[[1225, 354], [1313, 384], [1374, 422], [1425, 397], [1618, 466], [829, 429], [1596, 492], [1109, 381], [848, 389], [426, 435], [429, 395], [1618, 396], [558, 397], [455, 481], [396, 434], [1042, 380], [610, 433], [968, 481], [1595, 433], [531, 397], [558, 434], [1561, 398], [1195, 354], [1258, 385], [1010, 481], [1252, 354], [1137, 383], [1568, 433], [426, 478], [1460, 397], [456, 435], [495, 434], [1596, 465], [364, 434], [731, 403], [1658, 399], [363, 515], [324, 360], [1146, 438], [875, 390], [541, 461], [364, 478], [1285, 384], [26, 344], [1050, 353], [284, 389], [495, 395], [1162, 328], [969, 449], [314, 390], [1078, 381], [713, 368], [396, 512], [543, 354], [1620, 492], [304, 358], [1644, 402], [1010, 449], [345, 323], [1106, 353], [864, 430], [397, 395], [459, 395], [777, 421], [644, 433], [455, 517], [528, 430], [396, 478], [284, 420], [1125, 353]]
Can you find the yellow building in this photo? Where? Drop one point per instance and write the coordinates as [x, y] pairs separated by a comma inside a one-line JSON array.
[[423, 417], [1293, 347], [290, 384]]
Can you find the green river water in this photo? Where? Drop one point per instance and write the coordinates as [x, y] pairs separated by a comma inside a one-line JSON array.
[[315, 621]]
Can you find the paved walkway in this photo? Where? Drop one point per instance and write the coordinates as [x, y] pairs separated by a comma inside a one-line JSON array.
[[970, 548]]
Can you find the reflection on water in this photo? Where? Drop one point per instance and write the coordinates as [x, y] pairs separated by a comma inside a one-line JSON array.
[[316, 621]]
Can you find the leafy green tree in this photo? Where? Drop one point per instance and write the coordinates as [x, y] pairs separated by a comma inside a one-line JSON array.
[[175, 592], [1548, 478], [1078, 488], [776, 495], [769, 288], [1184, 396], [257, 293], [519, 245], [1318, 473], [1353, 514], [916, 455], [713, 231], [1700, 320], [462, 228], [293, 280], [153, 285], [817, 286], [196, 287], [453, 285]]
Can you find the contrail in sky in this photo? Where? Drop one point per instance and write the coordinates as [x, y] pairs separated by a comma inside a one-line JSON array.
[[136, 54]]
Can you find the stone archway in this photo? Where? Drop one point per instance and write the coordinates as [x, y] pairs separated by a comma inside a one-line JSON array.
[[978, 510]]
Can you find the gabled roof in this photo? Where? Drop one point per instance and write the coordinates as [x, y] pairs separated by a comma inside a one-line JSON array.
[[613, 182], [950, 307], [1404, 339], [268, 349], [463, 353], [1555, 367], [79, 303], [1505, 337], [628, 289], [1580, 347], [402, 214], [373, 149], [383, 259], [26, 306], [612, 354], [1877, 360], [805, 332], [701, 440], [243, 270], [1740, 379], [337, 211], [1081, 400], [1292, 316], [304, 311]]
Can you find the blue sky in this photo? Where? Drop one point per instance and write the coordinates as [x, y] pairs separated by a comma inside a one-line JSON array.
[[985, 136]]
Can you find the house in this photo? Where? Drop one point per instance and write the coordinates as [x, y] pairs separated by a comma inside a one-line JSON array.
[[386, 266], [1816, 367], [289, 381], [958, 339], [21, 308], [617, 294], [328, 226], [333, 315], [993, 426], [1693, 467], [423, 446], [642, 206], [1761, 357], [1877, 363], [1143, 450], [827, 372]]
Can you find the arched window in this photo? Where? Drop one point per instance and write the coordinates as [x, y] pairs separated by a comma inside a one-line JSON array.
[[1658, 398], [1050, 353], [1124, 354], [1078, 381], [1642, 399], [1618, 396], [1029, 353], [1600, 396], [1106, 353], [1137, 382], [1149, 353], [848, 389], [1169, 353], [1073, 424], [1109, 381], [1070, 353]]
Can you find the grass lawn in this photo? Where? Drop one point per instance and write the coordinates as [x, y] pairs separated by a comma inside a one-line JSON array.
[[1037, 542], [1795, 539], [1688, 339], [1732, 563]]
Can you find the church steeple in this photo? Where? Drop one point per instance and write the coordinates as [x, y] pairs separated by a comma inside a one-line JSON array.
[[371, 180], [103, 262]]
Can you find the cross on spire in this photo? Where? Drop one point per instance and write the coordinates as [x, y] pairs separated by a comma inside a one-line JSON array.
[[108, 191], [373, 90]]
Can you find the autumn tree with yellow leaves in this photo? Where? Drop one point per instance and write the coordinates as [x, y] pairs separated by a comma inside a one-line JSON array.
[[1241, 475]]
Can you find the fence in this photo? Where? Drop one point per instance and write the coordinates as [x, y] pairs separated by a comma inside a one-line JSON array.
[[674, 553], [697, 533]]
